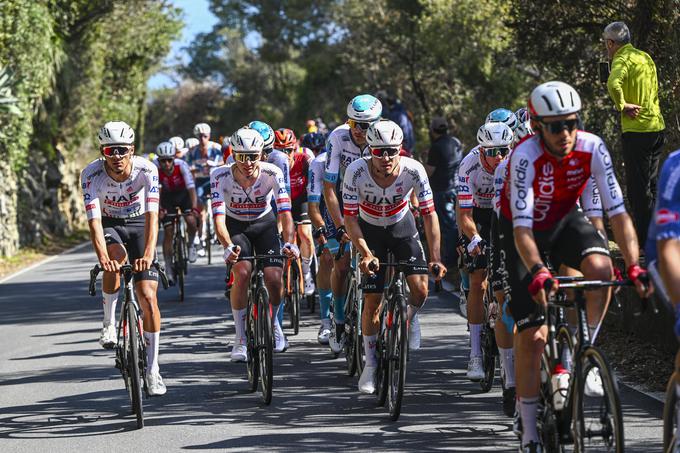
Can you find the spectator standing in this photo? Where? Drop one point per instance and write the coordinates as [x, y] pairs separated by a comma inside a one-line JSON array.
[[633, 86], [443, 158]]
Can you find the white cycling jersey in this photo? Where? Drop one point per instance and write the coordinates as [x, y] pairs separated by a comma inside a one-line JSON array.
[[475, 183], [105, 197], [342, 151], [362, 196], [315, 178], [280, 159], [229, 198]]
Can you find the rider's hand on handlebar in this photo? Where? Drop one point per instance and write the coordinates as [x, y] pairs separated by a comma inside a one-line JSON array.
[[441, 270], [537, 286], [474, 247], [231, 253], [369, 265], [109, 265], [143, 264], [642, 283], [290, 250], [341, 234]]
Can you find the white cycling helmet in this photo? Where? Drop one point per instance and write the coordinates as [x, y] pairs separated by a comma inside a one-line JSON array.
[[165, 150], [494, 135], [191, 142], [384, 134], [504, 116], [116, 133], [553, 99], [201, 128], [177, 141], [246, 140], [524, 127], [364, 108]]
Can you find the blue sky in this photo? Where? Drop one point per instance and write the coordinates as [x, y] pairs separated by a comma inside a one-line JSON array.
[[197, 19]]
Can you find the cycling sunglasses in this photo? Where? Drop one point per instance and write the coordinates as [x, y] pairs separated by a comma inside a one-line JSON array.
[[493, 152], [358, 125], [246, 157], [382, 152], [116, 150], [166, 160], [555, 127]]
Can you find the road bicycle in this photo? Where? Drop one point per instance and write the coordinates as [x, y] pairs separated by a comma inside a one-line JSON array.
[[180, 253], [130, 348], [293, 282]]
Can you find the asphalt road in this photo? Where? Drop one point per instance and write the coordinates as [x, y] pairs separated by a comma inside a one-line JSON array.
[[59, 391]]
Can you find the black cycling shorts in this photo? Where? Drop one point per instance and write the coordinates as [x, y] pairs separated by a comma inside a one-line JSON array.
[[482, 218], [299, 210], [170, 201], [130, 234], [495, 278], [257, 237], [569, 242], [402, 240]]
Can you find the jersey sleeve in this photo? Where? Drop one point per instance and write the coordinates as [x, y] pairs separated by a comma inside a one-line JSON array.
[[424, 194], [333, 160], [463, 187], [92, 204], [217, 181], [280, 159], [667, 211], [151, 188], [186, 174], [602, 170], [280, 192], [521, 183], [590, 199], [314, 182], [350, 192]]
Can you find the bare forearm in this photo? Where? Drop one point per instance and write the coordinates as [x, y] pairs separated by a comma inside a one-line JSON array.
[[332, 204], [97, 238], [526, 247], [221, 231], [669, 267], [598, 223], [150, 233], [354, 231], [466, 222], [626, 238], [194, 198], [287, 226], [431, 223], [315, 215]]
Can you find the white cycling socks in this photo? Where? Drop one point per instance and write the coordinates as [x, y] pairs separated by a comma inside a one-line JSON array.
[[240, 325], [527, 409], [412, 311], [508, 365], [476, 340], [152, 339], [109, 304], [369, 349], [305, 265]]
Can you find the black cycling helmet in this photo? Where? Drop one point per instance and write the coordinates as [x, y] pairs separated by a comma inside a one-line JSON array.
[[314, 141]]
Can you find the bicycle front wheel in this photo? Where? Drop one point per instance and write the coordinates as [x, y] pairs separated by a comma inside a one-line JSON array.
[[670, 421], [252, 363], [265, 344], [135, 372], [295, 299], [489, 354], [597, 421], [382, 355], [351, 316], [398, 349], [208, 240]]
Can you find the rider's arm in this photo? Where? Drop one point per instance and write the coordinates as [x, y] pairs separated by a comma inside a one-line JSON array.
[[465, 221], [666, 228], [283, 207], [151, 214], [332, 203], [217, 179], [330, 180], [314, 189], [188, 182], [526, 247], [592, 205], [423, 193], [97, 238], [350, 206], [354, 232], [464, 203], [431, 224], [287, 226], [221, 230], [669, 266]]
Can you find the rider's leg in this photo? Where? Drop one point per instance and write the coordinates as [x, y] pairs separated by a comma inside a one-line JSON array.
[[504, 340], [146, 289], [338, 275], [529, 345], [306, 243], [417, 284], [111, 284], [239, 298], [475, 310], [168, 232], [370, 322], [323, 283], [596, 267], [190, 219]]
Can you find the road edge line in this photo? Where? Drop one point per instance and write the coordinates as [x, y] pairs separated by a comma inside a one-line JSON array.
[[43, 261]]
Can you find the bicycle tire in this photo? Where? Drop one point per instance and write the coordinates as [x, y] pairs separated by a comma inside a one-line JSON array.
[[350, 330], [398, 351], [252, 361], [585, 436], [669, 417], [265, 344], [134, 372], [381, 375], [311, 303], [548, 422], [208, 241], [295, 306], [180, 268], [489, 354]]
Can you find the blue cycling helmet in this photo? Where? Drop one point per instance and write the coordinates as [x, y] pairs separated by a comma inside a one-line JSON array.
[[314, 141], [364, 108], [265, 131], [503, 116]]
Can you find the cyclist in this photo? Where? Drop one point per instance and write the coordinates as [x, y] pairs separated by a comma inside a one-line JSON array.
[[547, 174], [190, 143], [203, 158], [345, 144], [298, 162], [177, 191], [243, 192], [178, 142], [120, 191], [504, 116], [314, 141], [376, 192], [474, 212]]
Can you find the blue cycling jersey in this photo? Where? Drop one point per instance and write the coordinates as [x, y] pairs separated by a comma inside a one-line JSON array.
[[665, 222]]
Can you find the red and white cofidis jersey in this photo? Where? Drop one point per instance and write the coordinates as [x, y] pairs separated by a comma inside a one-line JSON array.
[[298, 174], [384, 207], [543, 189], [475, 183], [105, 197], [180, 178], [229, 198]]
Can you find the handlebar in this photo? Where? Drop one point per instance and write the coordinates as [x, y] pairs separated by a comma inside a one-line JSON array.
[[126, 270], [341, 251]]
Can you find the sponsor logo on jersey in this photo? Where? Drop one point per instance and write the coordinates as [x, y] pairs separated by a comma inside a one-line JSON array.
[[520, 183], [665, 216], [545, 185]]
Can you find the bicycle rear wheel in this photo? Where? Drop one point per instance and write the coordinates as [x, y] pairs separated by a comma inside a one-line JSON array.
[[398, 350], [180, 266], [252, 363], [670, 421], [135, 374], [350, 330], [489, 354], [597, 421], [295, 299], [208, 240], [265, 344]]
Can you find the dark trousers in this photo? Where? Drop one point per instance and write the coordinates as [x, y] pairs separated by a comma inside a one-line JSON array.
[[641, 151], [445, 207]]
